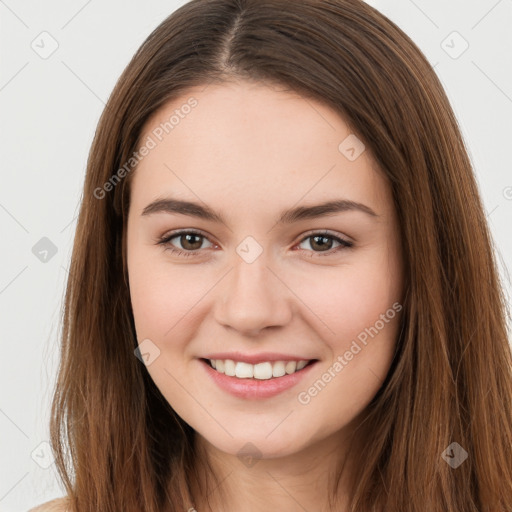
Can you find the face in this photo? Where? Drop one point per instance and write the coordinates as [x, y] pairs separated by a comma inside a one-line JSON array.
[[256, 275]]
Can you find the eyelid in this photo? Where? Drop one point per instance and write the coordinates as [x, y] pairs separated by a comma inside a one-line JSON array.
[[173, 233], [165, 239], [328, 232], [344, 242]]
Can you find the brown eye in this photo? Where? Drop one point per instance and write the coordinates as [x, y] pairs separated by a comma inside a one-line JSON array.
[[186, 243], [323, 243], [191, 241]]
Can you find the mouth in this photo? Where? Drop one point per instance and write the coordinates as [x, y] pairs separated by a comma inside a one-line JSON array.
[[262, 380], [266, 370]]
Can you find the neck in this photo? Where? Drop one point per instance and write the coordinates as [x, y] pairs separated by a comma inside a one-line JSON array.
[[302, 480]]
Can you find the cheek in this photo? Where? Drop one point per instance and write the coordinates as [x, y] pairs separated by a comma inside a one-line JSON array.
[[365, 325], [361, 352], [163, 295], [351, 298]]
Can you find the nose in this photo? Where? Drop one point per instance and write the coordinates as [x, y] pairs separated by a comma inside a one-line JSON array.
[[253, 297]]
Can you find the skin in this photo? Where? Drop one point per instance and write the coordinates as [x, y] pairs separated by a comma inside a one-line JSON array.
[[249, 151]]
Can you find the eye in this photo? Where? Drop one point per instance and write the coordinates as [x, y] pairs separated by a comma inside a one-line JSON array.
[[190, 240], [324, 242]]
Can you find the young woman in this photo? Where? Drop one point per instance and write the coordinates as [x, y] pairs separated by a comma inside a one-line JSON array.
[[283, 293]]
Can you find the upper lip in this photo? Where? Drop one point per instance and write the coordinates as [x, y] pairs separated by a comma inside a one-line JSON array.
[[256, 358]]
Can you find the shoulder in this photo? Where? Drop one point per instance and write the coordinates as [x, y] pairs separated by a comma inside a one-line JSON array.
[[58, 505]]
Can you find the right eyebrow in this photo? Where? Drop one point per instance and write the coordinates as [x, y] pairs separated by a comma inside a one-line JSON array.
[[181, 207]]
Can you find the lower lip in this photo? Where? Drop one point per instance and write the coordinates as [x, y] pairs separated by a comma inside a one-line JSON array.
[[256, 388]]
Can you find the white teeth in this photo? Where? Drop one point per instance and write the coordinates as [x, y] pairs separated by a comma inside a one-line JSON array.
[[244, 370], [278, 369], [229, 367], [261, 371], [291, 366], [301, 364]]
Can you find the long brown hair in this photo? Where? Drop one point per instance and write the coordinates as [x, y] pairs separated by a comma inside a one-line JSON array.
[[120, 446]]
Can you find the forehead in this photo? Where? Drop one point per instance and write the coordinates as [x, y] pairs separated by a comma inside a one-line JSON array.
[[252, 143]]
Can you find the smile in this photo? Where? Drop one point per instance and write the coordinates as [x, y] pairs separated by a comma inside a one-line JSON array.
[[262, 380], [263, 371]]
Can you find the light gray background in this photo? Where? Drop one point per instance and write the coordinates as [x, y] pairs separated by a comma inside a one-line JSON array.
[[49, 110]]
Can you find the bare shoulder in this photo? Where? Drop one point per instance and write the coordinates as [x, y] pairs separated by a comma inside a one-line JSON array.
[[58, 505]]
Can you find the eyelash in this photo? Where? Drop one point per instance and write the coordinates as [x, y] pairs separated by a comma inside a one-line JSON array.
[[165, 241]]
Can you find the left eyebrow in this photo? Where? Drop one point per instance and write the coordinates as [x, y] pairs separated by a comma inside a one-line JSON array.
[[177, 206], [320, 210]]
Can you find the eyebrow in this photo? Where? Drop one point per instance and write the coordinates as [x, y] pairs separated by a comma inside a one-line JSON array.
[[177, 206]]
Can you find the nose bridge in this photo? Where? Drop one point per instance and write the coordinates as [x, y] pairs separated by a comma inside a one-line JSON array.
[[252, 297]]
